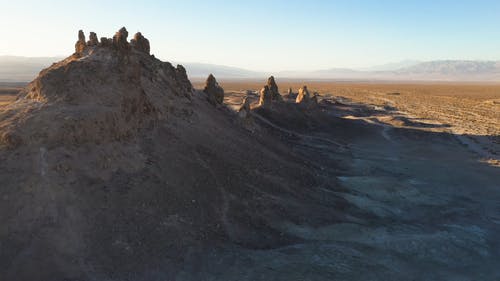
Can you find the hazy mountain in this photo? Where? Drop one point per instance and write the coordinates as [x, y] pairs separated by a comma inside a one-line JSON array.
[[391, 66], [26, 68], [446, 70], [14, 68], [453, 67], [334, 73]]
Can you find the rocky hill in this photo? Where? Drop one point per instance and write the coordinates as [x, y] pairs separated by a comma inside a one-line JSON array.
[[114, 168]]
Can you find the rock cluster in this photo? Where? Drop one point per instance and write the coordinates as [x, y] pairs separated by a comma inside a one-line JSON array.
[[119, 42], [214, 92], [269, 93], [136, 91]]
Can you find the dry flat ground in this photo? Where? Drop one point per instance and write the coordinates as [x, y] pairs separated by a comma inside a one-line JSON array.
[[469, 111], [7, 95]]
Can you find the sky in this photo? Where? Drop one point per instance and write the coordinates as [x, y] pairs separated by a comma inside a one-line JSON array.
[[272, 35]]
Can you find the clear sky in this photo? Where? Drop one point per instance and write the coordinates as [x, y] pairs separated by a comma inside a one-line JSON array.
[[264, 35]]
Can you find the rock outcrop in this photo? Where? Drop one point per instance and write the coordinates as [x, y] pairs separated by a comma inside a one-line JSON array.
[[120, 40], [273, 88], [266, 97], [80, 44], [140, 43], [93, 41], [97, 74], [214, 92], [303, 95], [111, 169], [244, 110]]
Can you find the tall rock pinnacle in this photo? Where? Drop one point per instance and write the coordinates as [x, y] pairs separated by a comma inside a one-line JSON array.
[[140, 43], [273, 88], [80, 44], [120, 40], [215, 93]]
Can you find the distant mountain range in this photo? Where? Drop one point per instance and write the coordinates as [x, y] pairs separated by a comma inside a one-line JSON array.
[[26, 68]]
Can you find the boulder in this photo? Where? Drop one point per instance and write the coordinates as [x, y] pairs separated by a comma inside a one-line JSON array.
[[214, 92], [140, 43]]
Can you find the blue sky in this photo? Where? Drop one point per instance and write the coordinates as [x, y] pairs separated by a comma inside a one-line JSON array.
[[265, 35]]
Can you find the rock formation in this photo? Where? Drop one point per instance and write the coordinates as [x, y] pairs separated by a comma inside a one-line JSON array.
[[265, 96], [214, 92], [244, 110], [303, 96], [120, 40], [93, 41], [128, 90], [106, 42], [80, 44], [273, 88], [140, 43]]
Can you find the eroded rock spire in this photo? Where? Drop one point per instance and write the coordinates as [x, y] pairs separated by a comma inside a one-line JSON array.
[[93, 41], [120, 40], [273, 88], [303, 96], [140, 43], [80, 44], [215, 93]]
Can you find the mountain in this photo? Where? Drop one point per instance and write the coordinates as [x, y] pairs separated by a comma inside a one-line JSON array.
[[453, 70], [391, 66], [22, 69], [445, 70], [112, 167], [14, 69]]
